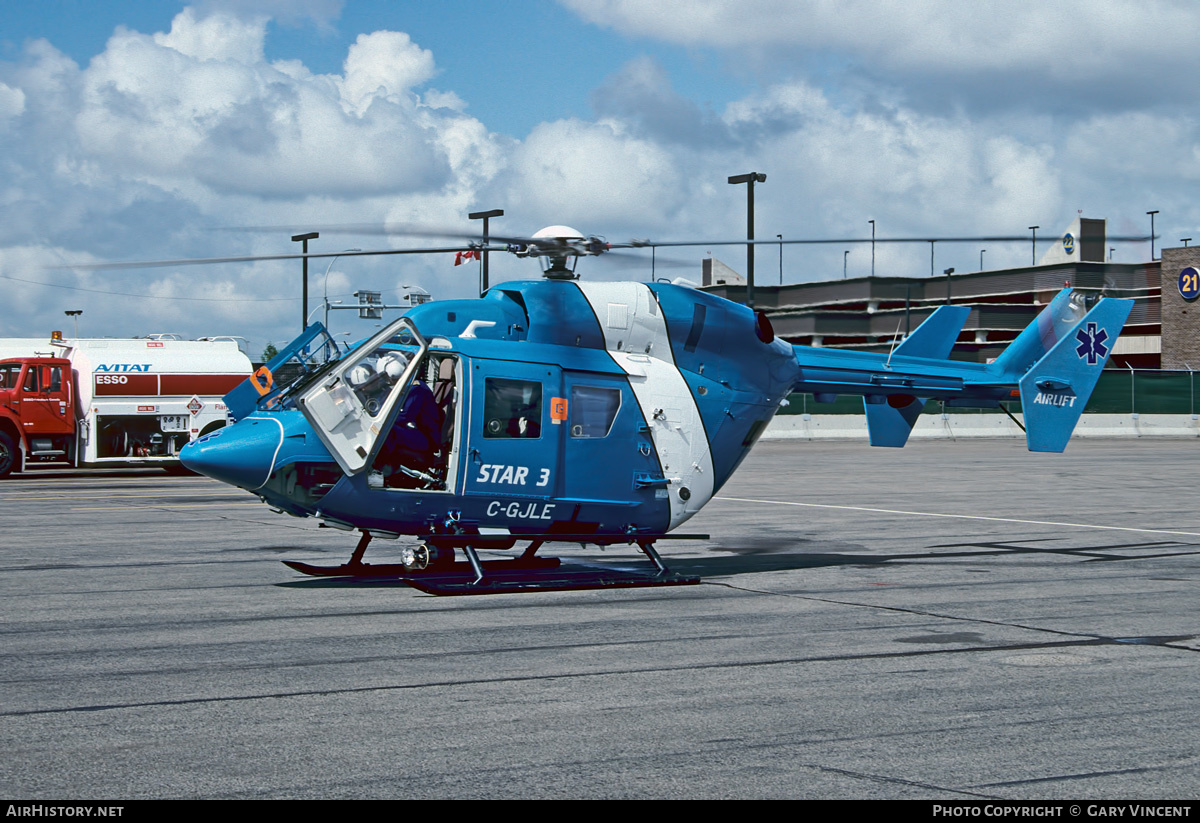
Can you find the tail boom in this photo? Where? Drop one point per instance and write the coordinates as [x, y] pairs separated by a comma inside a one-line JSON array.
[[1053, 366]]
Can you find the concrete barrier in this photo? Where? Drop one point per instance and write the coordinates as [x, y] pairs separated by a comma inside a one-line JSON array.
[[951, 426]]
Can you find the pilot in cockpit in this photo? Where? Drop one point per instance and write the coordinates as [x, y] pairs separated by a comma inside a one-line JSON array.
[[415, 439]]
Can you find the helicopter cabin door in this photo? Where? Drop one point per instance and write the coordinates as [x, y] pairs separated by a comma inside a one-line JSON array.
[[349, 405], [606, 447], [517, 426]]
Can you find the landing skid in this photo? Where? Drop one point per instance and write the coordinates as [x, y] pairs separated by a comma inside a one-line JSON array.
[[396, 570], [526, 573]]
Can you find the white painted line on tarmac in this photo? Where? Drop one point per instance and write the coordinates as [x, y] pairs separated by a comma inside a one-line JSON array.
[[958, 516], [166, 506]]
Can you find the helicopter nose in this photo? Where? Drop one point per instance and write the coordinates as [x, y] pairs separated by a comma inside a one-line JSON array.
[[241, 455]]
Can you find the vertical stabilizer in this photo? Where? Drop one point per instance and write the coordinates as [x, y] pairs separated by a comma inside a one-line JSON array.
[[1056, 389]]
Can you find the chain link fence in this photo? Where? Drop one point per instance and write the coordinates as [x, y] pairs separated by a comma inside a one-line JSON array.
[[1120, 391]]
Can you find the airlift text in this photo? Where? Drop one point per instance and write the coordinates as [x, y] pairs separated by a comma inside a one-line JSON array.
[[1046, 399]]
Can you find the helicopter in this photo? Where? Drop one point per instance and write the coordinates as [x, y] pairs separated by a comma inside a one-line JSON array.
[[559, 410]]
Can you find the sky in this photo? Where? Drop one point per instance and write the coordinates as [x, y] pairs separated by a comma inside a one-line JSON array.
[[144, 130]]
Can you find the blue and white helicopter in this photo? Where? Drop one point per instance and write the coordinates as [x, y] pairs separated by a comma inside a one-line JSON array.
[[598, 413]]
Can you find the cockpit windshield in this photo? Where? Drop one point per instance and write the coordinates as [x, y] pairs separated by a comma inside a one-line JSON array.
[[349, 401], [377, 366]]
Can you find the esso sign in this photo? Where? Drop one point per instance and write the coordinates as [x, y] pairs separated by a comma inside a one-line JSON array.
[[111, 380]]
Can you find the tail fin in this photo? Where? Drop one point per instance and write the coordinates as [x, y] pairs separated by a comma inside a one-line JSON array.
[[890, 419], [1057, 386]]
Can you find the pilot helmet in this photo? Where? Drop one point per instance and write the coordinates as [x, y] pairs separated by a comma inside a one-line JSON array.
[[393, 365]]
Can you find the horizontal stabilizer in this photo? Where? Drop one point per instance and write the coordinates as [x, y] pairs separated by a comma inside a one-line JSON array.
[[1055, 391], [936, 336]]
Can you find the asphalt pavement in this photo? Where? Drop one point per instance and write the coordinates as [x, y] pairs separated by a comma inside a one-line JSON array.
[[956, 620]]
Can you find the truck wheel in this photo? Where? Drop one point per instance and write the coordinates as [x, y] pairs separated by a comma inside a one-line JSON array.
[[10, 456]]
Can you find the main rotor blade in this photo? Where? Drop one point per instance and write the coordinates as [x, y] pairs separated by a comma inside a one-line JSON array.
[[397, 230], [201, 261], [639, 244]]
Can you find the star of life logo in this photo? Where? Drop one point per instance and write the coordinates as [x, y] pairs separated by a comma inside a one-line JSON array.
[[1091, 344]]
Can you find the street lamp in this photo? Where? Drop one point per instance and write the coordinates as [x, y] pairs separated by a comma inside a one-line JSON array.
[[325, 290], [485, 216], [948, 272], [1152, 213], [74, 315], [751, 179], [872, 222], [1185, 241], [845, 256], [304, 238], [1033, 253], [780, 236], [981, 251]]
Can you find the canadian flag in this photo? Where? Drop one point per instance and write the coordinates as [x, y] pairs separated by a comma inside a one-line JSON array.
[[463, 256]]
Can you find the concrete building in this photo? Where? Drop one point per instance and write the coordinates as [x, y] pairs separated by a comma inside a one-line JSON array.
[[871, 313]]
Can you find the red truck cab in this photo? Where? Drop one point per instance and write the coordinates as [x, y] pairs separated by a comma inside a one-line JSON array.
[[37, 411]]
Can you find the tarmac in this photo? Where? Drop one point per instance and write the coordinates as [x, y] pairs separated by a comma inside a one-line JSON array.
[[956, 620]]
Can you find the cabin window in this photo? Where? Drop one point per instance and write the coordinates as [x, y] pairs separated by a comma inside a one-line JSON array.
[[56, 378], [9, 375], [512, 408], [32, 379], [593, 410]]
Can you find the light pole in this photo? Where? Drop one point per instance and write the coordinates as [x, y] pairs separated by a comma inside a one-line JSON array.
[[845, 256], [485, 216], [780, 236], [1185, 241], [325, 290], [948, 272], [981, 251], [751, 179], [1033, 253], [872, 222], [304, 238], [1152, 213], [74, 315]]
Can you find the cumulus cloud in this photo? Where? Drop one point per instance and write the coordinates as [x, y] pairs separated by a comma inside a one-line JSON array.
[[640, 94], [385, 65], [163, 136], [12, 102], [572, 170], [1017, 49]]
